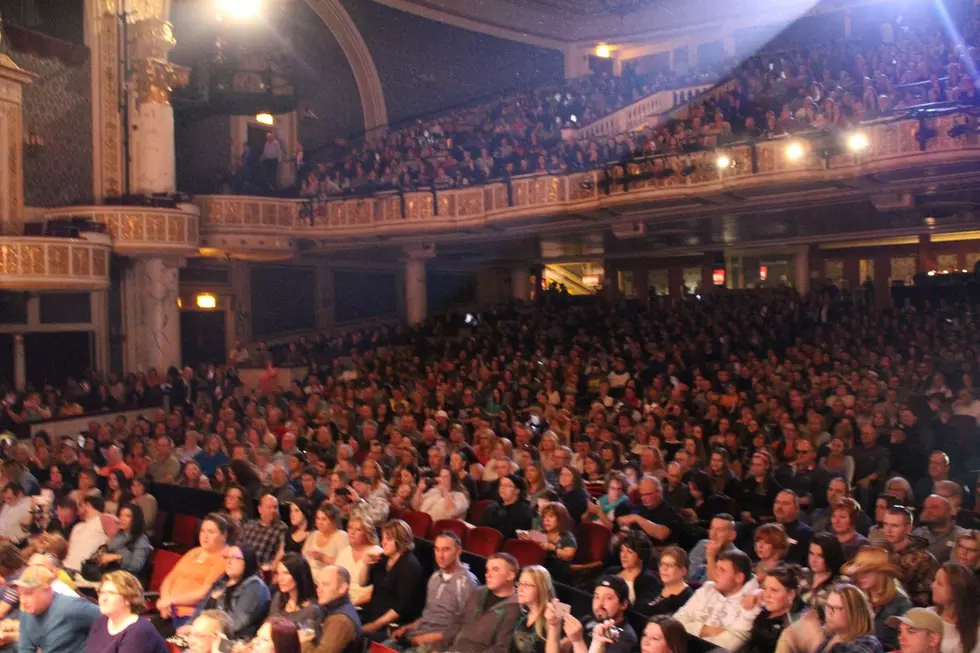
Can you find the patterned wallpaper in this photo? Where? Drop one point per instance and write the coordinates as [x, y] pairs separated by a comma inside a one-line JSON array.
[[58, 108], [428, 66]]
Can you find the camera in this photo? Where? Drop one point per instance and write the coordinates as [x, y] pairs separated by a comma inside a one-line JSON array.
[[613, 633]]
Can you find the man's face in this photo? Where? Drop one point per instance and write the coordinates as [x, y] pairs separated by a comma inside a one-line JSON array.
[[804, 452], [329, 585], [203, 635], [836, 491], [9, 497], [650, 493], [162, 447], [35, 600], [917, 640], [935, 511], [721, 531], [499, 575], [937, 466], [507, 490], [967, 552], [268, 509], [726, 580], [674, 474], [606, 604], [896, 528], [446, 552], [758, 466], [784, 508]]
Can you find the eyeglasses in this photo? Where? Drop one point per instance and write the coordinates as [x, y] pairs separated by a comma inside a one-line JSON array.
[[233, 557], [834, 608], [526, 586], [103, 592]]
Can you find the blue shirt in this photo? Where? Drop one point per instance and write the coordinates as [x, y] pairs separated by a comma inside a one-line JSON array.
[[62, 628], [210, 463]]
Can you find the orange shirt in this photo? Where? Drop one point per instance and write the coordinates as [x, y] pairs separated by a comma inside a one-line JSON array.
[[108, 469], [195, 572]]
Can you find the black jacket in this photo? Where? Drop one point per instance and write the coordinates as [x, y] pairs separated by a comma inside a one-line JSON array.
[[508, 519]]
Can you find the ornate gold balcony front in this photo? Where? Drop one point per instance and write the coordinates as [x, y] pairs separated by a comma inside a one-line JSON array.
[[53, 264], [139, 230], [761, 173]]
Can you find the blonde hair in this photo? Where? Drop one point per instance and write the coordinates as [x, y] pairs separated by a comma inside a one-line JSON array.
[[857, 609], [127, 587], [401, 533], [546, 591], [370, 532]]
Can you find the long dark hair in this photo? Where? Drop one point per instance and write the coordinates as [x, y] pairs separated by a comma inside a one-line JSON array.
[[125, 493], [966, 602], [299, 569], [138, 527], [675, 635], [833, 552], [284, 634], [251, 561]]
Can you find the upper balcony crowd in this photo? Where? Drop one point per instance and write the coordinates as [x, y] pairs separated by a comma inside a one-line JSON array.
[[787, 87], [759, 470]]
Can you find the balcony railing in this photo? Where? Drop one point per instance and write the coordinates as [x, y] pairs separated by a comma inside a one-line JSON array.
[[53, 264], [142, 230], [892, 145]]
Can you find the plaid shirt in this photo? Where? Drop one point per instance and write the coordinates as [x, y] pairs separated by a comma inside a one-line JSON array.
[[264, 540]]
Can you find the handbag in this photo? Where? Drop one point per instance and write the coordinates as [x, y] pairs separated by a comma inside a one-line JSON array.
[[92, 571]]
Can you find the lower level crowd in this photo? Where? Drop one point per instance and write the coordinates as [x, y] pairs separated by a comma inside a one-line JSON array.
[[752, 472]]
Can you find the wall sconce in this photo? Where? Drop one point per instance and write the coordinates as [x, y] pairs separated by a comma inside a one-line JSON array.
[[33, 142], [206, 301]]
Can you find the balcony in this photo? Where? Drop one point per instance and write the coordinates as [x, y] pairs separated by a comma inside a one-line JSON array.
[[762, 176], [53, 264], [142, 230]]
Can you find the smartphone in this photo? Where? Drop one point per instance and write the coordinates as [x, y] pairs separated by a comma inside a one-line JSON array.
[[563, 609]]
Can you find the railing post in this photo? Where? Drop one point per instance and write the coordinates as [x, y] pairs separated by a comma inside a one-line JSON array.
[[508, 181], [401, 202], [755, 157], [435, 200]]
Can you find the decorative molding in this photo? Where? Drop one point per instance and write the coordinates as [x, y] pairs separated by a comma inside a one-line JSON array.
[[139, 231], [53, 264], [340, 24]]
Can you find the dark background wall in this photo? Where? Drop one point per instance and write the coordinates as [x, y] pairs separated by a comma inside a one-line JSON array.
[[364, 294], [57, 108], [447, 290], [282, 299], [202, 151], [428, 66]]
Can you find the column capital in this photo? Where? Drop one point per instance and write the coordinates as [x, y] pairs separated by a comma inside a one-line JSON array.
[[150, 38], [155, 80], [422, 252]]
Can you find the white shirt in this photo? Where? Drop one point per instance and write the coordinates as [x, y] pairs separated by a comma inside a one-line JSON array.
[[84, 541], [12, 519], [709, 607], [435, 505]]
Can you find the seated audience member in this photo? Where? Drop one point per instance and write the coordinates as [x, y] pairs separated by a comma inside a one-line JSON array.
[[87, 479], [129, 548], [14, 514], [49, 550], [771, 547], [447, 591], [572, 493], [956, 596], [675, 591], [759, 490], [192, 577], [341, 627], [557, 540], [140, 487], [838, 488], [921, 631], [280, 635], [937, 528], [715, 612], [164, 465], [511, 512], [612, 504], [240, 593], [300, 525], [88, 535], [295, 597], [65, 517], [357, 556], [444, 499], [704, 555], [51, 622], [610, 600], [908, 553], [323, 545], [120, 628], [967, 551], [396, 579], [706, 502], [487, 620], [193, 477], [265, 535], [877, 577], [876, 534], [780, 592], [849, 625], [534, 593], [653, 516], [843, 520], [208, 631], [786, 510], [117, 492], [12, 564], [823, 571], [636, 553]]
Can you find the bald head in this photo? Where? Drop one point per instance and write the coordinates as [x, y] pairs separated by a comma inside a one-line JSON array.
[[332, 583], [268, 509], [936, 512]]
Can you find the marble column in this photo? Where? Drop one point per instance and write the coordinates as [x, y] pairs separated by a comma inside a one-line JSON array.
[[520, 282], [802, 273], [151, 314], [99, 302], [20, 362], [416, 301]]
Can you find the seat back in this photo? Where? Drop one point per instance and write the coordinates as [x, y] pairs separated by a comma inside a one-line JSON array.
[[593, 542], [159, 526], [483, 541], [460, 528], [380, 648], [476, 510], [185, 530], [420, 522], [163, 562], [526, 553]]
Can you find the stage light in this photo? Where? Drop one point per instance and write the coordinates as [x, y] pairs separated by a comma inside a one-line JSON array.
[[239, 9], [857, 142], [206, 301], [931, 273], [794, 151], [602, 51], [265, 119], [723, 162]]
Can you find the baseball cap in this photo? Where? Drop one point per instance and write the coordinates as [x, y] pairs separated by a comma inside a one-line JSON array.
[[616, 584], [35, 576], [919, 618]]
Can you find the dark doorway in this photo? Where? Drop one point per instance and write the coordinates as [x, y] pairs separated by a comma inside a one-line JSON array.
[[53, 357], [7, 359], [202, 337]]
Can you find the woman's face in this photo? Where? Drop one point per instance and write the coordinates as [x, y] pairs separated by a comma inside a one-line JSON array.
[[388, 544], [284, 579], [654, 641], [549, 521], [234, 562], [192, 472], [591, 467], [816, 561], [670, 571], [126, 519], [778, 600], [405, 476], [532, 474], [233, 500], [628, 558], [296, 516], [84, 482], [566, 479], [942, 591], [836, 617], [445, 479], [356, 533], [614, 491], [55, 475], [110, 601], [897, 490], [263, 641], [527, 591], [837, 447], [840, 521], [211, 537], [866, 580], [764, 549]]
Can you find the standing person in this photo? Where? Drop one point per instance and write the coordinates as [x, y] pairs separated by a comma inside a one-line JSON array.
[[269, 161], [51, 622], [120, 628]]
